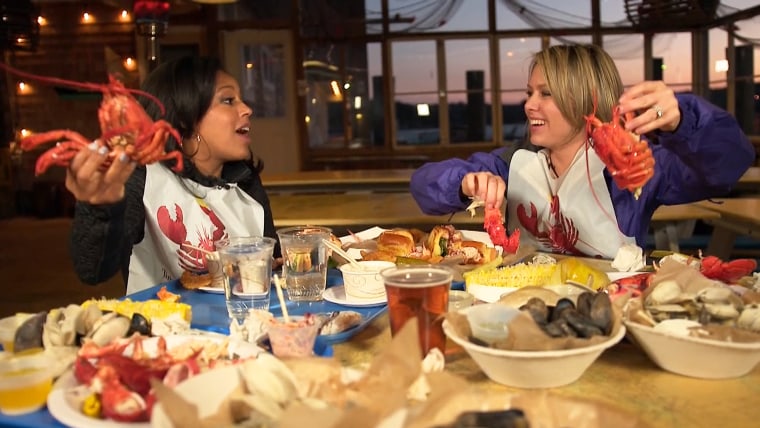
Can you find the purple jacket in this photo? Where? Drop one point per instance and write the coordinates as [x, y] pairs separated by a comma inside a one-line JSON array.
[[702, 159]]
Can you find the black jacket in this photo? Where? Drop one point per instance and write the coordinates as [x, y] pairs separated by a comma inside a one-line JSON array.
[[102, 236]]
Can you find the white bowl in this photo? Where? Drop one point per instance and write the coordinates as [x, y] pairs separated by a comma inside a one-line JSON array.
[[365, 283], [693, 356], [532, 369]]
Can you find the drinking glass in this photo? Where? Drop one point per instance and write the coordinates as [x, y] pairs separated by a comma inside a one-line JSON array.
[[247, 267], [420, 291], [304, 261]]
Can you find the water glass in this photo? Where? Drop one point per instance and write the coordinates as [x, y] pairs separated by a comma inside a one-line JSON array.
[[421, 292], [247, 267], [304, 261]]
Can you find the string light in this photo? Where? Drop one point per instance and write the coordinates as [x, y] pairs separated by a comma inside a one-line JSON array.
[[124, 16], [42, 21], [87, 18], [25, 132], [23, 88], [130, 64]]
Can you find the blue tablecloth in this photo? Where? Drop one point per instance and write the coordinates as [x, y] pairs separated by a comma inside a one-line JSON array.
[[210, 313]]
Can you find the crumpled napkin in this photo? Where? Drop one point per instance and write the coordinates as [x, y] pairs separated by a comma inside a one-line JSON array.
[[629, 258]]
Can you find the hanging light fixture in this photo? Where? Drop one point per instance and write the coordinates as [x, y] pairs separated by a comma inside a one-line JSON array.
[[151, 20]]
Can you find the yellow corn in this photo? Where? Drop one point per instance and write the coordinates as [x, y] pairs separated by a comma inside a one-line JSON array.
[[519, 275], [150, 309]]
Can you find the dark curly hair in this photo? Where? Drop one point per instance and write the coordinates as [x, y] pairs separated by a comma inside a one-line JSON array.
[[185, 86]]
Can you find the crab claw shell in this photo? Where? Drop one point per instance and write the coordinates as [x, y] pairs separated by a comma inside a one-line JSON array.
[[29, 333]]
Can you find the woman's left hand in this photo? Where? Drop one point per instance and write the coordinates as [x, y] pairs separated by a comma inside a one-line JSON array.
[[656, 107]]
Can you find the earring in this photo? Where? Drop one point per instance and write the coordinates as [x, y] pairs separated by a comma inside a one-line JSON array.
[[198, 138]]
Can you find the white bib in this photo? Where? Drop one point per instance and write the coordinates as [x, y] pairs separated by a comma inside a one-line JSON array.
[[173, 216], [562, 214]]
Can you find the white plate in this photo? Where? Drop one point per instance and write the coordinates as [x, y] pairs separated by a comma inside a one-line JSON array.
[[212, 290], [64, 413], [337, 295], [374, 232]]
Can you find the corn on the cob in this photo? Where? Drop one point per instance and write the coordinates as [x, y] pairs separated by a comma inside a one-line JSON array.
[[150, 309], [519, 275]]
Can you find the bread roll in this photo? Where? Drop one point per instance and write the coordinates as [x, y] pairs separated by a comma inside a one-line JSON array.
[[398, 242], [443, 240]]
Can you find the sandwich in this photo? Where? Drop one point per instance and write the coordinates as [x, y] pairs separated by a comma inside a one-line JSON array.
[[443, 240], [392, 244]]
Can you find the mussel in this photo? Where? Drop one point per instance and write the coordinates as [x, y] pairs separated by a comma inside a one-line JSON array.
[[591, 316], [28, 334]]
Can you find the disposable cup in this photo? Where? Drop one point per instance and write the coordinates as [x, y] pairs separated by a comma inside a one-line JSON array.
[[421, 292], [247, 267]]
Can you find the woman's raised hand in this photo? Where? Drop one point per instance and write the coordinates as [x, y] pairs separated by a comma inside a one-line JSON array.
[[88, 183], [656, 106], [486, 186]]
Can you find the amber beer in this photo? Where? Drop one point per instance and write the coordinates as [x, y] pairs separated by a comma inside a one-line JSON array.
[[420, 291]]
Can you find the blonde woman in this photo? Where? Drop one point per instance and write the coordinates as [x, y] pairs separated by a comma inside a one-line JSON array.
[[561, 196]]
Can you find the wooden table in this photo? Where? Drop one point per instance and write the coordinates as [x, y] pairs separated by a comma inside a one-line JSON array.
[[376, 180], [357, 211], [750, 181], [738, 216], [623, 376]]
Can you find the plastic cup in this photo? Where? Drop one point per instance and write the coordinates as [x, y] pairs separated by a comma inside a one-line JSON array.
[[304, 261], [420, 291], [247, 267], [25, 382], [293, 339]]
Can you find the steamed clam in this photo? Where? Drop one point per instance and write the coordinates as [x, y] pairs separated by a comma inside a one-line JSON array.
[[67, 326]]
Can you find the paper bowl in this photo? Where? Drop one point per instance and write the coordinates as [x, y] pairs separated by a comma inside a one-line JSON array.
[[366, 283], [693, 356], [532, 369], [8, 327]]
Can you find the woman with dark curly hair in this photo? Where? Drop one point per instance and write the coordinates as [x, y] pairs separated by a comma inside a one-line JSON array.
[[149, 220]]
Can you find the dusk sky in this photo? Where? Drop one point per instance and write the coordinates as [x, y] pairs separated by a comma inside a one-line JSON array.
[[414, 63]]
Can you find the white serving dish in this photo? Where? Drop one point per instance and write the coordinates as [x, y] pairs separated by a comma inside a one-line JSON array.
[[532, 369], [693, 356], [366, 283]]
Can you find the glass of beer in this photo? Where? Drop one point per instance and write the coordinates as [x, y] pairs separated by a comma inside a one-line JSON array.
[[420, 291]]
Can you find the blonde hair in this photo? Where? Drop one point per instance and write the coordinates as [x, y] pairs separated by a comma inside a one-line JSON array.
[[577, 75]]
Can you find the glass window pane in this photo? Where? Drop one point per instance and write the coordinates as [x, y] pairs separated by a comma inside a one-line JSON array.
[[463, 56], [515, 56], [357, 95], [522, 15], [718, 66], [431, 15], [468, 79], [675, 51], [417, 120], [628, 52], [414, 67], [375, 111], [262, 83]]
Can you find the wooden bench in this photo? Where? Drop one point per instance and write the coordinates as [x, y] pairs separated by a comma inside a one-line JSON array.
[[358, 211], [738, 216]]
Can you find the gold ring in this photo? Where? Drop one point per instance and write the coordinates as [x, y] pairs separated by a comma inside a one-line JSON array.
[[657, 111]]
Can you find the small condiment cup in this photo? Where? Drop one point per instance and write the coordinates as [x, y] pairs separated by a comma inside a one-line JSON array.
[[293, 339], [26, 379], [459, 299]]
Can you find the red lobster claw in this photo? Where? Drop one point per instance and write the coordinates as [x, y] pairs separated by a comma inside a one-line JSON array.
[[173, 229], [494, 224], [728, 272]]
